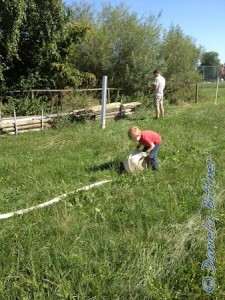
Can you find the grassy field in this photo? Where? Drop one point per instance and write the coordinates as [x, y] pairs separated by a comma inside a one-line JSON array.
[[208, 91], [139, 236]]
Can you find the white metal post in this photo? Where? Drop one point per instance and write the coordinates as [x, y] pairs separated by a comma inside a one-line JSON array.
[[15, 123], [217, 86], [104, 94]]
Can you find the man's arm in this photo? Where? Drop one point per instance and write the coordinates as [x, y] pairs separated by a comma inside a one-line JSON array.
[[155, 84]]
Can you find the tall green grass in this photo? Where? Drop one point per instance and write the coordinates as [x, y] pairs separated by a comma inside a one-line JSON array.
[[208, 91], [138, 237]]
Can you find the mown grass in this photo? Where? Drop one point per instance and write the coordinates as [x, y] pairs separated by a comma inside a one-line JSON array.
[[138, 237]]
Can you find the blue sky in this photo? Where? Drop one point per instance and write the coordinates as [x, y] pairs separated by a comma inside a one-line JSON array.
[[204, 20]]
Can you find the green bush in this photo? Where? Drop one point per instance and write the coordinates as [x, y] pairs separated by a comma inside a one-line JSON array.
[[23, 106]]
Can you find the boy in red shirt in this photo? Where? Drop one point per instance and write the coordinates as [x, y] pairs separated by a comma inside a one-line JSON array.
[[151, 142]]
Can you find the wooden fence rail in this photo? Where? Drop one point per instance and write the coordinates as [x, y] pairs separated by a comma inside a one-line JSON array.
[[40, 122], [69, 90]]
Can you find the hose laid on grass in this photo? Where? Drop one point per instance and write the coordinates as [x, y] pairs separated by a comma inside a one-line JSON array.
[[55, 200]]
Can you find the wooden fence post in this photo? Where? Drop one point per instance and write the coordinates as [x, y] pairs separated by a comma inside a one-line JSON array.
[[196, 93], [42, 125], [0, 108], [108, 98]]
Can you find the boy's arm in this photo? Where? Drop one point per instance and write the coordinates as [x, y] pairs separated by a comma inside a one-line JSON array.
[[151, 147]]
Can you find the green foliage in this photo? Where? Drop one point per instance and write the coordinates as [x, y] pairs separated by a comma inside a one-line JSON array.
[[36, 42], [209, 67], [62, 121], [46, 44], [120, 46], [24, 106], [180, 56], [210, 59], [12, 16]]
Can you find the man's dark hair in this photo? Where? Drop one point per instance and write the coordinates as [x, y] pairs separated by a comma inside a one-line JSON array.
[[156, 72]]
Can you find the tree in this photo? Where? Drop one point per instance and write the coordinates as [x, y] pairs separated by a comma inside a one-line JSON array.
[[179, 59], [120, 46], [35, 41], [210, 59], [11, 17], [210, 65]]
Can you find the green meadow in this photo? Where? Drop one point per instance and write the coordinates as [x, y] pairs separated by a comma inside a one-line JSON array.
[[139, 236]]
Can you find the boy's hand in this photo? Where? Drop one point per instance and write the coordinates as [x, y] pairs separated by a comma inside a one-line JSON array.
[[144, 154]]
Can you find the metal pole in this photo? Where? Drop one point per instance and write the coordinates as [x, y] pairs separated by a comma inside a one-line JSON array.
[[104, 99], [15, 123], [217, 86]]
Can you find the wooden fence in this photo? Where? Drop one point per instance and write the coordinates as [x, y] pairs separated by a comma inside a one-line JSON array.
[[32, 92], [40, 122]]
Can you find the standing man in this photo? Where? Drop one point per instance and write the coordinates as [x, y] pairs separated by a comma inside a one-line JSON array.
[[158, 88]]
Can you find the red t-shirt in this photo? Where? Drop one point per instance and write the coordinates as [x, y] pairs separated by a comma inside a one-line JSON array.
[[148, 137]]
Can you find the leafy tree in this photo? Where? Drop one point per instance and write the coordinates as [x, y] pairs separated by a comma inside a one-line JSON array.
[[210, 59], [35, 41], [210, 65], [120, 46], [11, 18], [179, 57]]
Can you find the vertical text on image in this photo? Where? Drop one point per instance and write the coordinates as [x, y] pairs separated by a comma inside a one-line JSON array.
[[208, 282]]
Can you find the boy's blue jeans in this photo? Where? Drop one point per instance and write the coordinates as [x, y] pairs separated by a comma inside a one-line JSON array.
[[153, 156]]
